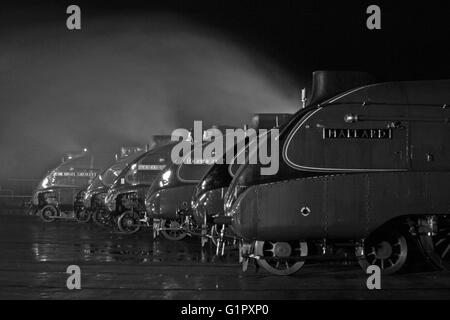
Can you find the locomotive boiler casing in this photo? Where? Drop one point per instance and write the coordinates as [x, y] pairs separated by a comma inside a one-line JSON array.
[[338, 206]]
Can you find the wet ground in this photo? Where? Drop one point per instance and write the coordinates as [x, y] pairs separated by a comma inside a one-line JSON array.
[[34, 257]]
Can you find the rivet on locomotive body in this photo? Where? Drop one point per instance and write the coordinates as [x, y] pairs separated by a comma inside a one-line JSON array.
[[305, 211]]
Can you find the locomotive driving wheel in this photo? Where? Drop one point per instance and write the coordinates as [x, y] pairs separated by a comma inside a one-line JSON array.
[[387, 249], [83, 216], [102, 217], [437, 245], [175, 231], [280, 258], [49, 212], [129, 222]]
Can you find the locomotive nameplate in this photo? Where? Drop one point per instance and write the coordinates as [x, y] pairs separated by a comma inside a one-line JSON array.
[[143, 167], [374, 134], [75, 174]]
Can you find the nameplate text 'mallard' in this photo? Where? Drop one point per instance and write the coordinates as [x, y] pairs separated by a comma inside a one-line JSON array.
[[375, 134]]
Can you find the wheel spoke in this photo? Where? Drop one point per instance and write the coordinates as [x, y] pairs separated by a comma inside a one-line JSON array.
[[445, 252]]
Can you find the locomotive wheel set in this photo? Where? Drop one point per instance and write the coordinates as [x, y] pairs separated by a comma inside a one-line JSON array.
[[364, 172]]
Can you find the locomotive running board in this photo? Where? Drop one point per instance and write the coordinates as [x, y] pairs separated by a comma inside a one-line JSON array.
[[65, 217], [335, 257]]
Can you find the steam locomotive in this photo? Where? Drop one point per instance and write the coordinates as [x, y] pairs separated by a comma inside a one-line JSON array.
[[125, 197], [168, 200], [364, 167], [59, 195], [94, 196]]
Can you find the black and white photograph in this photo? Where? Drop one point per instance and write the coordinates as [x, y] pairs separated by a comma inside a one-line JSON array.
[[224, 155]]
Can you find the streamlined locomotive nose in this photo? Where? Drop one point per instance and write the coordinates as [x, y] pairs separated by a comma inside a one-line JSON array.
[[165, 203], [208, 205]]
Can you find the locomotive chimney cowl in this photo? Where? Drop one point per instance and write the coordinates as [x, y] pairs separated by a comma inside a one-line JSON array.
[[327, 84]]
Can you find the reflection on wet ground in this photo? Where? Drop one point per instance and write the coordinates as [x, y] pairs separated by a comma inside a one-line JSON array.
[[34, 257]]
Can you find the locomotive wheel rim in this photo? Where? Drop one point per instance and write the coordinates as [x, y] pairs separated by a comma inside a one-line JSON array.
[[281, 266], [129, 222], [98, 218], [442, 244], [214, 235], [437, 247], [83, 216], [47, 212], [388, 251], [101, 217], [174, 235]]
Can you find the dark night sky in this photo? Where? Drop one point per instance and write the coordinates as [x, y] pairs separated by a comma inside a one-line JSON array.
[[136, 68]]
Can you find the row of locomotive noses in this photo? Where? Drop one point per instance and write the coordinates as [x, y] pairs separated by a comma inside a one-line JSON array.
[[165, 179]]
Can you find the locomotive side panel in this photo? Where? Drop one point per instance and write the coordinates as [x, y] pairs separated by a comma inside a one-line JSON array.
[[438, 189], [430, 139], [323, 141], [408, 193], [396, 194], [341, 206], [172, 199], [346, 204], [327, 206], [302, 217]]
